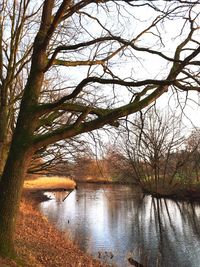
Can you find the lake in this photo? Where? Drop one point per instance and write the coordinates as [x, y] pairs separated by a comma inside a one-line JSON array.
[[116, 222]]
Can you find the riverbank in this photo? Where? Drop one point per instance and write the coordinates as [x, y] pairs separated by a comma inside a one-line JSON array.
[[178, 192], [39, 244]]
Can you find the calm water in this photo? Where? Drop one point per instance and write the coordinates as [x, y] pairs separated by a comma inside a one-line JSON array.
[[106, 220]]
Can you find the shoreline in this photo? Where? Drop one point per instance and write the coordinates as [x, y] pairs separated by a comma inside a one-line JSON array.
[[189, 196], [37, 195], [37, 241], [104, 182], [80, 258]]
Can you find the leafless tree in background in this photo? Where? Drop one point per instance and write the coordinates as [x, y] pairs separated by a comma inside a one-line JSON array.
[[152, 145], [161, 155]]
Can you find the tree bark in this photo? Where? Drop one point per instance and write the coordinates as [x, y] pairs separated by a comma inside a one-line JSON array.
[[4, 147], [3, 128], [11, 185]]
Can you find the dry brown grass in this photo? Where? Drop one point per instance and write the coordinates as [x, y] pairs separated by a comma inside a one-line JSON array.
[[39, 244], [50, 183]]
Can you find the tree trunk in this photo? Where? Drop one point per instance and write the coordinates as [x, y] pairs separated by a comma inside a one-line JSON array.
[[11, 185], [12, 179], [20, 153], [4, 149], [3, 154], [22, 148], [3, 130]]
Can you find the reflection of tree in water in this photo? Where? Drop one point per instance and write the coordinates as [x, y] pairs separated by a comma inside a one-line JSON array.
[[155, 232], [171, 234], [191, 211], [162, 232]]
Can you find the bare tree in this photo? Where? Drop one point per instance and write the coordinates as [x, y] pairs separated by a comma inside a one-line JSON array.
[[85, 46], [56, 158], [16, 23], [191, 170], [154, 146]]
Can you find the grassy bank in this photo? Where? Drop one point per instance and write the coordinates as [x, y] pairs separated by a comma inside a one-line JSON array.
[[38, 243]]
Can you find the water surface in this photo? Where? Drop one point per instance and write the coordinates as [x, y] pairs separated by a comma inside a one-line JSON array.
[[114, 222]]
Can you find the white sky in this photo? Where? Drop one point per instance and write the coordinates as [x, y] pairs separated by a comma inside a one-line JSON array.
[[137, 66]]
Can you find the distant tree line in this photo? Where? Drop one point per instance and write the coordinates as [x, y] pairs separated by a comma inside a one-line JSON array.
[[153, 151]]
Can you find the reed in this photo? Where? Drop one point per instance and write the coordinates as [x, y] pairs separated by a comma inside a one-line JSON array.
[[50, 183]]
